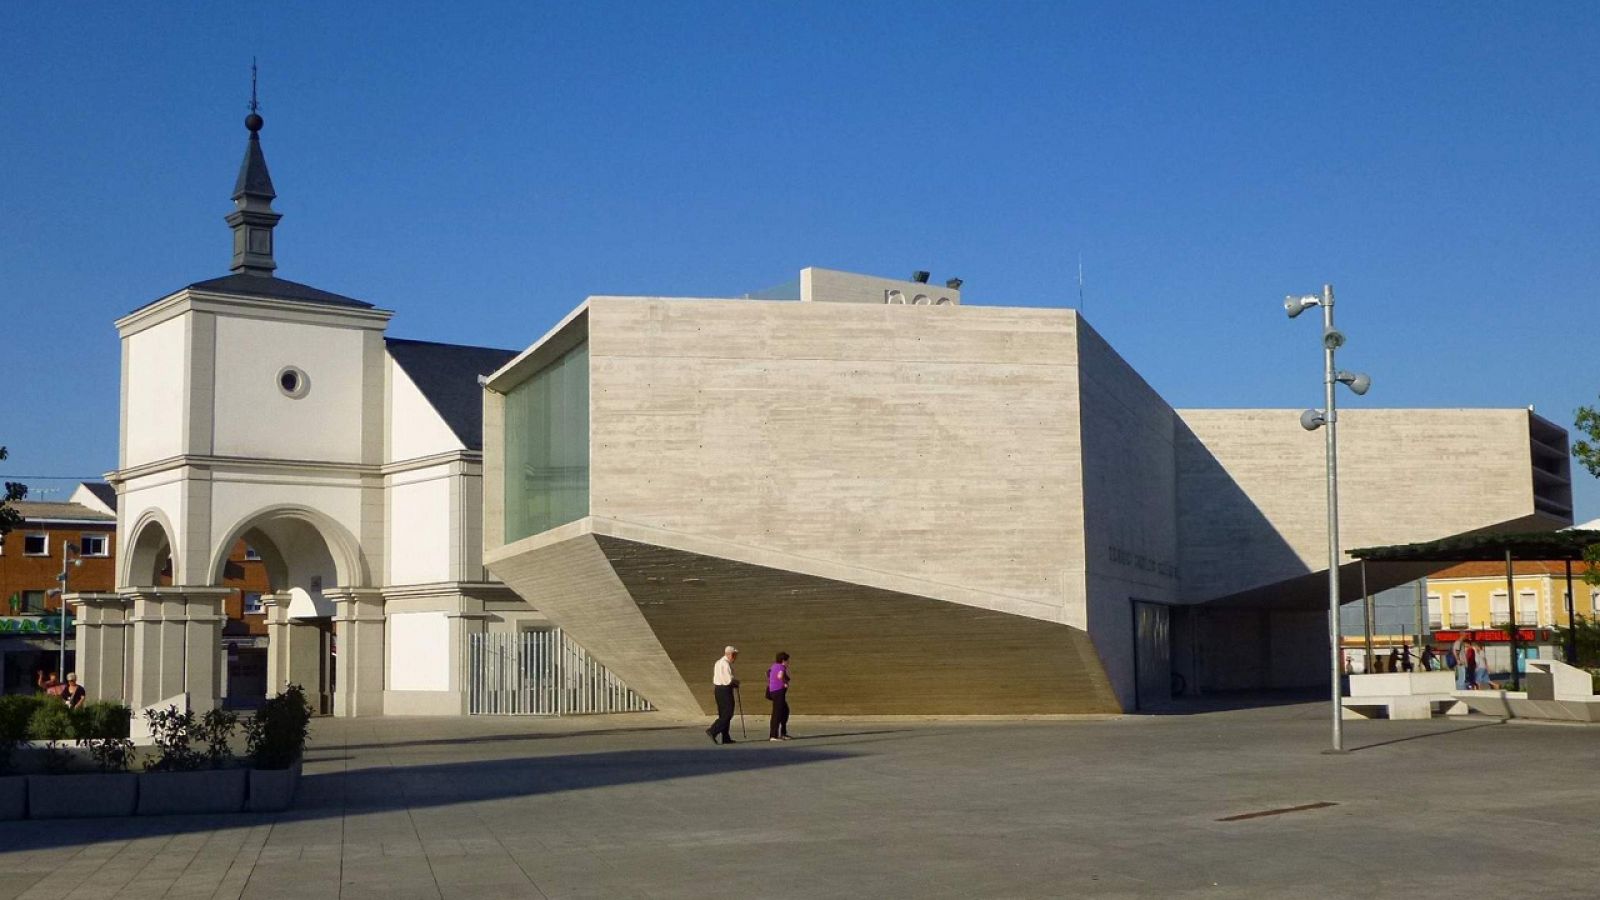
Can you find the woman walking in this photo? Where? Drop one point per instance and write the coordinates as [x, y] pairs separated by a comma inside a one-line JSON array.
[[778, 693]]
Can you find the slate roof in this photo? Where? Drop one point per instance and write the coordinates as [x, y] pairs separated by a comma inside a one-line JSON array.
[[103, 492], [32, 510], [276, 289], [447, 376]]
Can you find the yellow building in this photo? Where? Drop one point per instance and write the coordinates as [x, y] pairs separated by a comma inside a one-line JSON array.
[[1473, 595]]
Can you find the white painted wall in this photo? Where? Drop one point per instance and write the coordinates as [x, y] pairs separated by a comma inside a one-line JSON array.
[[154, 392], [253, 418], [415, 428], [422, 528], [161, 492], [419, 651]]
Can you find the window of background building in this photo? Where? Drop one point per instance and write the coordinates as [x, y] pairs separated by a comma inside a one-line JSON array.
[[93, 545], [1435, 612], [1594, 604], [1527, 608], [36, 545], [1499, 609], [1458, 610], [250, 552], [252, 603], [32, 602]]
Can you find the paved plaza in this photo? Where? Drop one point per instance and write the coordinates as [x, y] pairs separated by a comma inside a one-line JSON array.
[[634, 807]]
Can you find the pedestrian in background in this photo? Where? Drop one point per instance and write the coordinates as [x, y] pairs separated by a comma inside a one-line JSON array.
[[778, 693], [723, 684], [72, 692]]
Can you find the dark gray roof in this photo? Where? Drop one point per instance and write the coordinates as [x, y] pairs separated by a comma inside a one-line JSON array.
[[447, 376], [274, 289], [103, 492]]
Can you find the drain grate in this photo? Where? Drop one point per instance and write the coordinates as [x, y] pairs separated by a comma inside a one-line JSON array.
[[1277, 812]]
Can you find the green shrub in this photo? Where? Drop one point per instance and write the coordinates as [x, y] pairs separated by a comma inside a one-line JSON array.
[[170, 731], [276, 737], [51, 721], [216, 728], [105, 720], [16, 711]]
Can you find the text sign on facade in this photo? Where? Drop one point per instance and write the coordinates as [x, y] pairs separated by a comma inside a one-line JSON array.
[[32, 624]]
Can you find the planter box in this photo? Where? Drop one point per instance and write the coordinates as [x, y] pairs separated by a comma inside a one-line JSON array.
[[272, 790], [206, 791], [82, 796], [13, 797]]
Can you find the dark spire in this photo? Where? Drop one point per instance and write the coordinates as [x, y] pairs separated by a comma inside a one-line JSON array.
[[252, 219]]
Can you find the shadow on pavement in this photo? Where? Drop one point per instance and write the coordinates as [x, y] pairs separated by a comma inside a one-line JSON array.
[[1431, 734], [1227, 701], [331, 795], [495, 738]]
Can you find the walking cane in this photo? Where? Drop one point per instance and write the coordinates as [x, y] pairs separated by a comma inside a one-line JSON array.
[[738, 698]]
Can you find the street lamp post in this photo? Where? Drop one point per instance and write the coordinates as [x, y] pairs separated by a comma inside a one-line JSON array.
[[67, 549], [1311, 420]]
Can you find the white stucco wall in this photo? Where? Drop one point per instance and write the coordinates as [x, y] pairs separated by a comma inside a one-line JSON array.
[[414, 426], [154, 392], [253, 418], [419, 651], [422, 526]]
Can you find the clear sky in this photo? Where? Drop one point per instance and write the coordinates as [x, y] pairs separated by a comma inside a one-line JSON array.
[[480, 168]]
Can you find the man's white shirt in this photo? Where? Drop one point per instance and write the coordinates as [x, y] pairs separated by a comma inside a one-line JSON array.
[[722, 673]]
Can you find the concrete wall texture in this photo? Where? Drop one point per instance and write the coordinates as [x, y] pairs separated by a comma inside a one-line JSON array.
[[885, 462]]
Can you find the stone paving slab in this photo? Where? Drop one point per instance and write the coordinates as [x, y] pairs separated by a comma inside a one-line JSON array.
[[636, 807]]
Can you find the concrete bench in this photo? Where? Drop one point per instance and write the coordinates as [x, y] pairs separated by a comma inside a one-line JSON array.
[[1402, 695]]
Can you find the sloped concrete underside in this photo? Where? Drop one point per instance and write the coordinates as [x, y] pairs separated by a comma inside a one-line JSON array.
[[856, 650]]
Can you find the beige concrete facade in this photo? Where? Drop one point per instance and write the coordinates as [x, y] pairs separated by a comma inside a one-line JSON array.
[[965, 458]]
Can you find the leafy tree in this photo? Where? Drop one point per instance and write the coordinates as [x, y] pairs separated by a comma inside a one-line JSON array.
[[9, 517], [1587, 451]]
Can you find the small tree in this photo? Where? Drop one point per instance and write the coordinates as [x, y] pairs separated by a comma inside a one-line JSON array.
[[9, 517], [1587, 451]]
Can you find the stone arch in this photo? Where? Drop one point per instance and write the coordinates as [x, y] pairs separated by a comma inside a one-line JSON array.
[[150, 543], [276, 532]]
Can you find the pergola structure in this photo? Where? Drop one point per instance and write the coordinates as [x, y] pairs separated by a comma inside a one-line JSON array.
[[1565, 546]]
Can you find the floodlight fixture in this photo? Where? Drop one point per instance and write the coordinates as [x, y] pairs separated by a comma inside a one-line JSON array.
[[1359, 382], [953, 284], [919, 276], [1294, 306], [1312, 419]]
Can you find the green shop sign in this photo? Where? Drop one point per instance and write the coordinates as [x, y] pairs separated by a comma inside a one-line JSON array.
[[33, 624]]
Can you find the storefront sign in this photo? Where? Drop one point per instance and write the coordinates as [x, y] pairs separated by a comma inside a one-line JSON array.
[[33, 624]]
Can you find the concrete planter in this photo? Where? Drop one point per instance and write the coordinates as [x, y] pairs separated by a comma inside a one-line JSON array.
[[82, 796], [13, 797], [206, 791], [272, 790]]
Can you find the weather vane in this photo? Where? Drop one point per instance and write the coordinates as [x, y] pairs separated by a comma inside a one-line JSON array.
[[254, 106]]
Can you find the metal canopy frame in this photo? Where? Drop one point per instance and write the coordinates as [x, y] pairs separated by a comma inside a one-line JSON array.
[[1565, 546]]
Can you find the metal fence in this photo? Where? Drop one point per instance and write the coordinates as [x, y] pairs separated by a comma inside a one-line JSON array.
[[541, 673]]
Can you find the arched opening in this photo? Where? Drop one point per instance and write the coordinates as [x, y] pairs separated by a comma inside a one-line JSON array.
[[148, 559], [291, 555]]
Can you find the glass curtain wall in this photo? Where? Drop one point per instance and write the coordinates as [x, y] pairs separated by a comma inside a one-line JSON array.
[[547, 447]]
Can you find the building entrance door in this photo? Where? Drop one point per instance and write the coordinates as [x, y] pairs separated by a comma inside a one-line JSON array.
[[1152, 653]]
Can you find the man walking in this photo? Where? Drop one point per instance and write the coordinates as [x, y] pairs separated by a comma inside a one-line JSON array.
[[724, 684]]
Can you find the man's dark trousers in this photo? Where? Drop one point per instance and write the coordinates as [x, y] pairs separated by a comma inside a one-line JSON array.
[[724, 712]]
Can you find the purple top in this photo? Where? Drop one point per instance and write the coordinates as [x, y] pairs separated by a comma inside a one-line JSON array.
[[777, 677]]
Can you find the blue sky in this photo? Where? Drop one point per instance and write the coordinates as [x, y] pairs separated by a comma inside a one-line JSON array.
[[480, 168]]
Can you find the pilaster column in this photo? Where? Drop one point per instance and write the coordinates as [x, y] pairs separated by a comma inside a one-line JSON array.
[[100, 632], [177, 640], [358, 635]]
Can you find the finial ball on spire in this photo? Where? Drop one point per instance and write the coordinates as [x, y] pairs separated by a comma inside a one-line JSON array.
[[253, 122]]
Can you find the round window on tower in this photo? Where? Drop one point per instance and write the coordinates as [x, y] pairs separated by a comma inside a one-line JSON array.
[[293, 382]]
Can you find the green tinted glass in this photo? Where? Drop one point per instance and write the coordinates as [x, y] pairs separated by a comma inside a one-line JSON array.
[[547, 447]]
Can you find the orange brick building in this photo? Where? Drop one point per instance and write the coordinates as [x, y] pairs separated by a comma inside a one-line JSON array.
[[30, 570]]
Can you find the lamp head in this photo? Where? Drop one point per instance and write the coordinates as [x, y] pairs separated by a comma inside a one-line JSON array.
[[1312, 419], [1294, 306], [1359, 382]]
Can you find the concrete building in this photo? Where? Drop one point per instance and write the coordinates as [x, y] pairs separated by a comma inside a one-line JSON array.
[[942, 508], [935, 507]]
